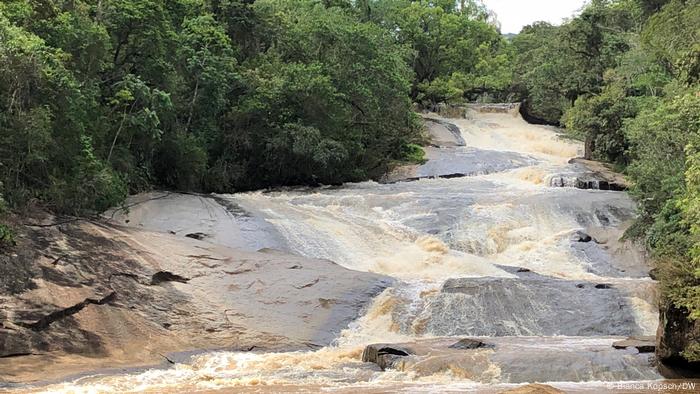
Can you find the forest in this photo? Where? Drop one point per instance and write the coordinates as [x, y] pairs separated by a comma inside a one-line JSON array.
[[224, 95], [625, 77], [100, 99]]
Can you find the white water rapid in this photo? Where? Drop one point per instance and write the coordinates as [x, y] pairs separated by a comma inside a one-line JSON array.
[[498, 255]]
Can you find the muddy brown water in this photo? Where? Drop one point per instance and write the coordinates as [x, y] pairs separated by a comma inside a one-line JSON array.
[[494, 254]]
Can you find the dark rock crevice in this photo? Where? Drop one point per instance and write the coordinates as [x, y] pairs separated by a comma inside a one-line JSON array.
[[21, 354], [166, 276], [45, 321], [677, 334]]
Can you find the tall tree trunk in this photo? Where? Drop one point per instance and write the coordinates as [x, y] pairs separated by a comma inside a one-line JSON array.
[[589, 147]]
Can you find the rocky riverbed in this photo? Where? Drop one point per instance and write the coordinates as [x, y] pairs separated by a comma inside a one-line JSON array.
[[497, 264], [88, 295]]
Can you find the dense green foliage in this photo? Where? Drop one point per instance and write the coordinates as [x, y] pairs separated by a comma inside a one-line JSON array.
[[456, 52], [625, 75], [555, 65], [102, 98]]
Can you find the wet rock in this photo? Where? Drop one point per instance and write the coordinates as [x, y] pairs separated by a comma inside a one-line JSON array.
[[644, 344], [197, 236], [525, 306], [599, 176], [165, 276], [216, 219], [654, 273], [516, 360], [95, 297], [534, 388], [384, 355], [580, 236], [443, 133], [676, 335], [468, 343]]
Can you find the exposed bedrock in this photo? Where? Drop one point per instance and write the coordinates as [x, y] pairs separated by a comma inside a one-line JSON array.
[[678, 337], [533, 304], [87, 295], [516, 359], [588, 174]]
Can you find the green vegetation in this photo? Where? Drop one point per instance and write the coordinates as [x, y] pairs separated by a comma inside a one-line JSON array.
[[625, 75], [99, 99], [415, 154], [7, 237]]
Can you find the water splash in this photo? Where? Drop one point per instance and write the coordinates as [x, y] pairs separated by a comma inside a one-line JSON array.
[[424, 233]]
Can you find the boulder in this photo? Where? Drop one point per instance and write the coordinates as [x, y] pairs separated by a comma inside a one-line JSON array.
[[644, 344], [468, 344], [676, 335], [580, 236], [525, 306], [654, 273], [514, 359], [384, 355], [534, 388]]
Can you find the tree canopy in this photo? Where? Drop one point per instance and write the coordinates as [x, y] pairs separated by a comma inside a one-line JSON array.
[[226, 95], [625, 76]]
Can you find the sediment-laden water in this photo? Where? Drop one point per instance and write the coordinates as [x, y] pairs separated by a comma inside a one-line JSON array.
[[492, 251]]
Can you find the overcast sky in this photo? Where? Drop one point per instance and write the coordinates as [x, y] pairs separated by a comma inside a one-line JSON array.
[[514, 14]]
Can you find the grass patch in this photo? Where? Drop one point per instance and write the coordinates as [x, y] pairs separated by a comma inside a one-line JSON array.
[[414, 153], [7, 236]]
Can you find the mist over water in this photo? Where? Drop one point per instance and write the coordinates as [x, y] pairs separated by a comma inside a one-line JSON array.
[[492, 255]]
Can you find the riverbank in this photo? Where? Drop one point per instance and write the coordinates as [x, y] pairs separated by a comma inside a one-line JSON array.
[[97, 295], [547, 252]]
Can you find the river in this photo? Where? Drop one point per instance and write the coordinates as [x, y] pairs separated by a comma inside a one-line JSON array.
[[496, 249]]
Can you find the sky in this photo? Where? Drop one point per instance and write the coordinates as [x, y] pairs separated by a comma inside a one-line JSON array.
[[514, 14]]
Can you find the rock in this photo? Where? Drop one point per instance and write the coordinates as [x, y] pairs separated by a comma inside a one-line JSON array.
[[216, 219], [443, 133], [197, 236], [480, 306], [534, 388], [87, 295], [580, 236], [467, 344], [644, 344], [384, 355], [514, 360], [601, 176], [165, 276], [603, 286], [654, 273], [676, 334], [524, 270]]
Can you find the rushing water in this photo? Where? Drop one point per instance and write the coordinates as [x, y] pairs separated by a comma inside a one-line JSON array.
[[493, 254]]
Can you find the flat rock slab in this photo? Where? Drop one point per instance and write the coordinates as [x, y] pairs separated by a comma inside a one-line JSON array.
[[450, 157], [644, 344], [534, 388], [208, 218], [105, 296], [459, 162], [533, 304], [516, 359]]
